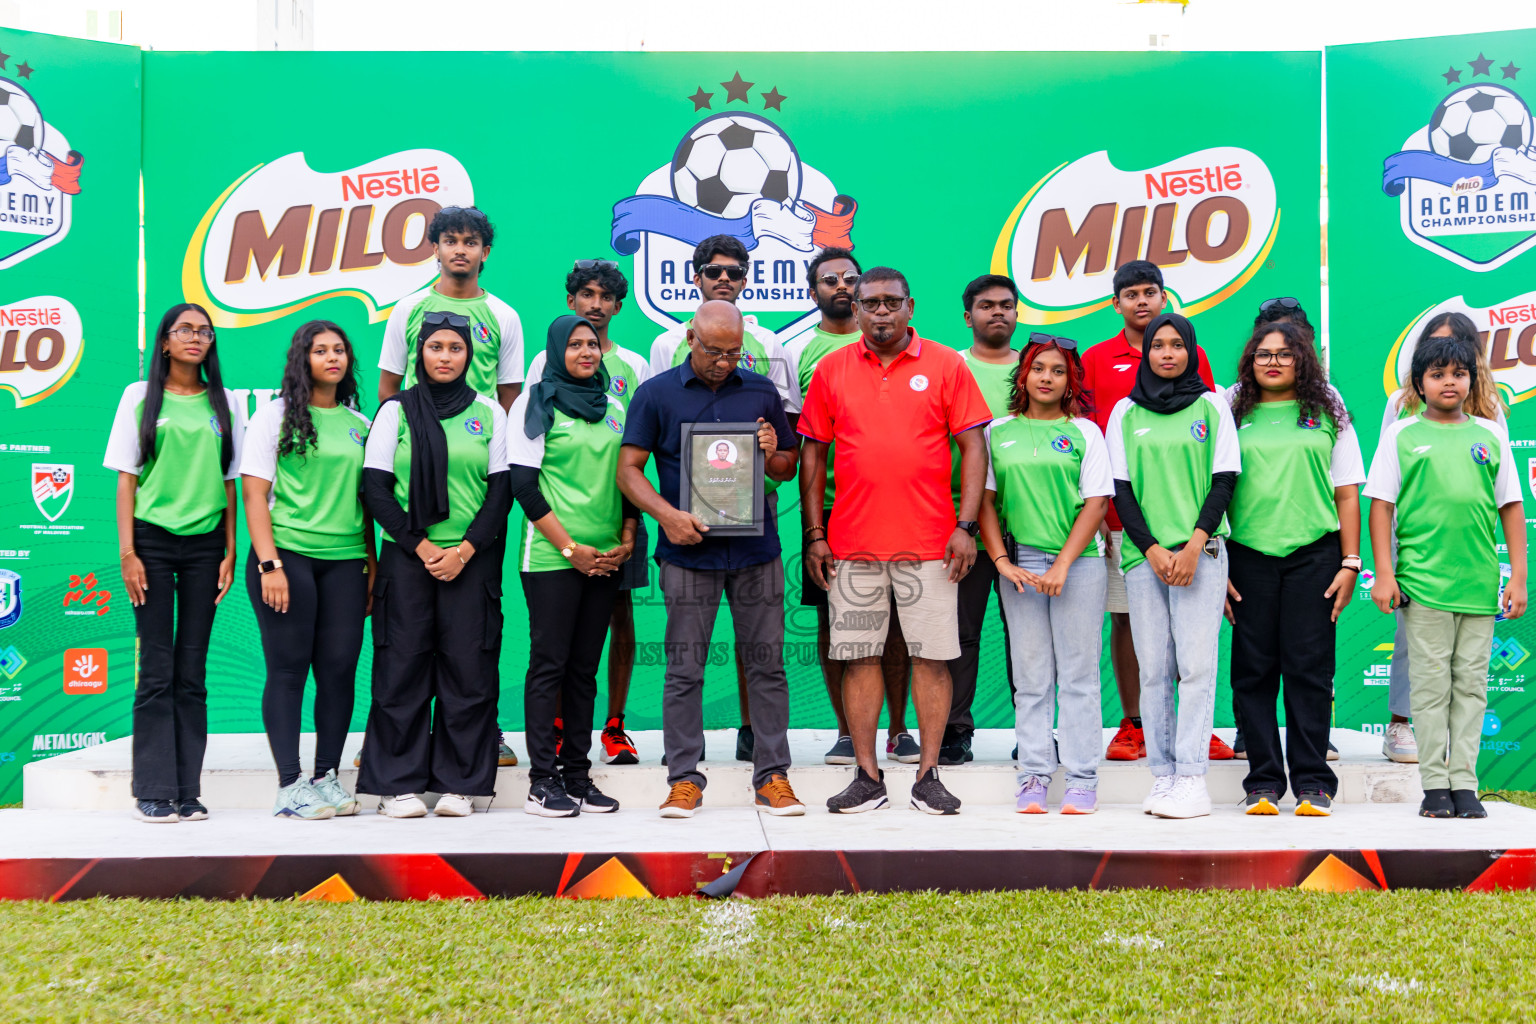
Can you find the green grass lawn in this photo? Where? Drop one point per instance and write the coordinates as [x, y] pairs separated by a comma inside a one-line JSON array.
[[1209, 957]]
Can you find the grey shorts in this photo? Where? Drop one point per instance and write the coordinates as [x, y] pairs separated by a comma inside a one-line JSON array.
[[859, 609]]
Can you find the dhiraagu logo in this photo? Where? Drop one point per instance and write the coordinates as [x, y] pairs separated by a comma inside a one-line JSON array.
[[1506, 329]]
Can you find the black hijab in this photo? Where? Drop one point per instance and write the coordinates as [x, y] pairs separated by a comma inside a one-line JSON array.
[[558, 389], [1160, 394], [427, 403]]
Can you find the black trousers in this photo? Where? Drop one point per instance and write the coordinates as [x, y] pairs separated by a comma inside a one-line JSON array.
[[322, 630], [975, 590], [1283, 629], [432, 724], [170, 702], [568, 615]]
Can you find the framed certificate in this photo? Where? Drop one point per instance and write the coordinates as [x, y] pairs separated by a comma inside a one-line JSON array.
[[722, 478]]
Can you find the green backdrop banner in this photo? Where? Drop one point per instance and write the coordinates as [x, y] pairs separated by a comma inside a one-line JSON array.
[[69, 220], [1432, 194]]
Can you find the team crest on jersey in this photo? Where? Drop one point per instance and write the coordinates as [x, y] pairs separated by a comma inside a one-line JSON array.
[[37, 186], [1200, 430], [748, 360], [53, 487], [474, 427], [356, 435], [218, 431], [614, 424], [617, 385], [1062, 443], [1480, 454], [482, 332], [735, 172], [1309, 423]]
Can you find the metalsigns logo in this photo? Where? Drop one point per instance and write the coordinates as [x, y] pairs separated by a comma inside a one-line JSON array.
[[41, 341], [1508, 333], [1466, 180], [733, 173], [282, 235], [37, 187], [1207, 219]]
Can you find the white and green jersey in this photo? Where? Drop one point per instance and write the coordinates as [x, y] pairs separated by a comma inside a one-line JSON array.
[[1041, 472], [578, 464], [760, 353], [477, 447], [494, 326], [805, 350], [316, 499], [1169, 460], [995, 381], [1291, 465], [181, 489], [626, 371], [1448, 482]]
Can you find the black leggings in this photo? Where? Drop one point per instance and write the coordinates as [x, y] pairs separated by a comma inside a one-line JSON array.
[[568, 615], [321, 630]]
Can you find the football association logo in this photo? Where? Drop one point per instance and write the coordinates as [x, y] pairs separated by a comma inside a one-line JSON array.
[[617, 385], [1309, 423], [37, 186], [735, 172], [1480, 454], [1199, 430], [474, 427], [614, 424], [1062, 443], [1464, 181], [53, 487]]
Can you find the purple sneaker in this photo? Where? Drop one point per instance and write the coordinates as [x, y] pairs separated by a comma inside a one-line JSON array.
[[1032, 796], [1079, 801]]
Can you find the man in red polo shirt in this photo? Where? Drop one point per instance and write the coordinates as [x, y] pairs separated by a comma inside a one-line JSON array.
[[1109, 371], [891, 402]]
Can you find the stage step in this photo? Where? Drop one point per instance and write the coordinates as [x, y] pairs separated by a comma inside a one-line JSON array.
[[238, 773]]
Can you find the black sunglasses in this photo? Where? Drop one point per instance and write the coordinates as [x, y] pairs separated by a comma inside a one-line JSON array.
[[1285, 303], [593, 264], [438, 318], [712, 271], [1065, 344]]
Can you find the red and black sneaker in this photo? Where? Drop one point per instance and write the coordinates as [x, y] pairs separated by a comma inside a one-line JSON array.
[[618, 748], [1219, 749], [1129, 744]]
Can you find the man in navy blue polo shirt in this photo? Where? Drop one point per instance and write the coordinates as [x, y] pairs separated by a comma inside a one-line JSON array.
[[697, 568]]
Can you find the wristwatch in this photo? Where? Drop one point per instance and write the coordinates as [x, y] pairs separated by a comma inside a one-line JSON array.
[[970, 526], [269, 566], [1352, 563], [569, 549]]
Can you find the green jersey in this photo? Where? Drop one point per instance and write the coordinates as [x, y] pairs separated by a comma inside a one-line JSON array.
[[578, 464], [181, 489], [1168, 459], [316, 498], [1291, 465], [805, 351], [995, 381], [477, 447], [1042, 471], [493, 325], [1448, 482]]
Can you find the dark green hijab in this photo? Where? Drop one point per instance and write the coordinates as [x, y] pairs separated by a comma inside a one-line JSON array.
[[557, 389]]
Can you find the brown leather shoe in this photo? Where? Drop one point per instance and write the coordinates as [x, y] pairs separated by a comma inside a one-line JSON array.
[[682, 801], [776, 797]]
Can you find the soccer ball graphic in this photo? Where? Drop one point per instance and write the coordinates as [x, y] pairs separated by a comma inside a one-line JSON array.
[[728, 162], [1471, 123], [61, 477], [21, 123]]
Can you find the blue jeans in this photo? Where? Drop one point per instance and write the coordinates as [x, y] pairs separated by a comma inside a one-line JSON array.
[[1055, 643], [1175, 630]]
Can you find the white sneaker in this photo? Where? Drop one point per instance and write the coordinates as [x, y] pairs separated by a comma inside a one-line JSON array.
[[407, 805], [1188, 798], [454, 805], [1398, 744], [1161, 784]]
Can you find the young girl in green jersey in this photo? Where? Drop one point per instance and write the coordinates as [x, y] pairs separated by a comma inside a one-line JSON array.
[[1439, 481], [1049, 482], [1295, 558], [311, 560], [175, 444]]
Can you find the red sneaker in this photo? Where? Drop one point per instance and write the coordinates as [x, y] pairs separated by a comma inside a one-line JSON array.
[[617, 746], [1129, 744], [559, 735], [1219, 750]]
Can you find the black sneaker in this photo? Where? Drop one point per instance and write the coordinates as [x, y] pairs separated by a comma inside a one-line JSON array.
[[956, 750], [862, 794], [746, 743], [547, 799], [156, 812], [1240, 746], [1262, 801], [929, 794], [191, 810], [1437, 804], [1333, 751], [1313, 803], [591, 799], [1467, 804]]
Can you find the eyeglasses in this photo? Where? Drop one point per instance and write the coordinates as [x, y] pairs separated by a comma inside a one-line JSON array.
[[1285, 357], [716, 355], [1283, 303], [438, 318], [873, 305], [593, 264], [461, 209], [848, 277], [712, 271], [185, 333], [1065, 344]]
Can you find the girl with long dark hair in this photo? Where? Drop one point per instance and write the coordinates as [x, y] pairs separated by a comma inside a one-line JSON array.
[[311, 560], [1049, 485], [435, 478], [175, 445], [1294, 560]]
